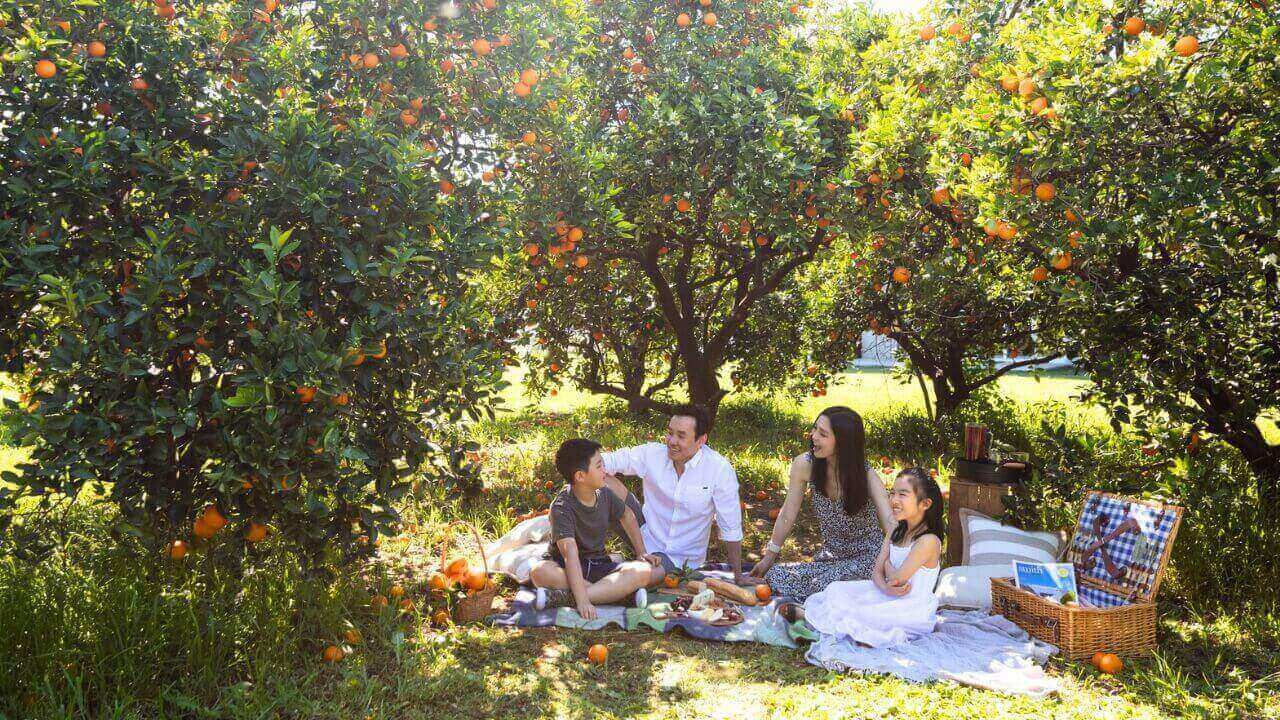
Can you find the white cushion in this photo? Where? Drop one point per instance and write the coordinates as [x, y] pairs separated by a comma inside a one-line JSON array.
[[968, 586], [987, 542]]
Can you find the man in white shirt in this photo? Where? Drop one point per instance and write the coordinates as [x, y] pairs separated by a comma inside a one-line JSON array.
[[686, 485]]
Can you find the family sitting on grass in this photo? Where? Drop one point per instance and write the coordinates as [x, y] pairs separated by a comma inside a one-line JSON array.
[[871, 581]]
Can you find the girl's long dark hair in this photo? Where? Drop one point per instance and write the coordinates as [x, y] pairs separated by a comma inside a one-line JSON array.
[[926, 488], [851, 459]]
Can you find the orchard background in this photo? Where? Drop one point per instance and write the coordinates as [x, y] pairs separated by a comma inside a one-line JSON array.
[[291, 287]]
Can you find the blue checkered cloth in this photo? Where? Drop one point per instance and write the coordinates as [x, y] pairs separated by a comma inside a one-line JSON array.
[[1130, 558]]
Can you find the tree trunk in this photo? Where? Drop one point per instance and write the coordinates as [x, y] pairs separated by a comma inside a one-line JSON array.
[[1264, 461]]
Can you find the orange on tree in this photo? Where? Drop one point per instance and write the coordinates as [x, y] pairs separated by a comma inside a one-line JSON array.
[[1134, 25], [709, 19], [257, 532], [96, 48], [1045, 191], [370, 60], [901, 275], [482, 47], [1040, 274], [45, 69], [928, 32], [177, 550], [1062, 261], [683, 20], [1186, 45], [305, 393]]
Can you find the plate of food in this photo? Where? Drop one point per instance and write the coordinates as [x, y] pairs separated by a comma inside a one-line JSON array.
[[708, 608]]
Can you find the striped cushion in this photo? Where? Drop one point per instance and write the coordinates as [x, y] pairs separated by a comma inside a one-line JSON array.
[[987, 542]]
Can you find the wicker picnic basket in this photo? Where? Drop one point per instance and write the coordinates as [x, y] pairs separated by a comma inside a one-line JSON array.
[[474, 605], [1120, 549]]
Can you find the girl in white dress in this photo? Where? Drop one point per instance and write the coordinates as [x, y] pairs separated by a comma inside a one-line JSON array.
[[897, 604]]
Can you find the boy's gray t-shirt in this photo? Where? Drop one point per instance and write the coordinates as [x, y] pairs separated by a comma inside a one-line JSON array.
[[587, 525]]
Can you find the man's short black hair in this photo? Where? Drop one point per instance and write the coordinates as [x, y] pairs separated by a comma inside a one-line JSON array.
[[701, 418], [575, 455]]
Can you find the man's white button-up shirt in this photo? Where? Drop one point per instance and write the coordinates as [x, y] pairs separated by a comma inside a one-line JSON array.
[[678, 510]]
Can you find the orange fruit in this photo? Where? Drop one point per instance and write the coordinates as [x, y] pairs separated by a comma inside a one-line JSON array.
[[257, 532], [1040, 274], [177, 550], [439, 582], [46, 69], [139, 85], [476, 580], [928, 32], [398, 51], [774, 513], [1045, 191], [597, 654], [1026, 87], [1062, 261], [1134, 25], [457, 568], [1096, 657], [352, 636], [1110, 664], [709, 19], [305, 393], [446, 187], [213, 518], [97, 49], [529, 77], [333, 654], [529, 138], [762, 495], [901, 275], [941, 196], [763, 592], [378, 602], [1186, 45], [481, 47], [683, 20], [683, 205], [670, 581], [370, 60], [382, 351], [1009, 83]]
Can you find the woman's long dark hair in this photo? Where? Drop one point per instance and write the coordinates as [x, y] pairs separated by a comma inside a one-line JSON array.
[[851, 459], [926, 488]]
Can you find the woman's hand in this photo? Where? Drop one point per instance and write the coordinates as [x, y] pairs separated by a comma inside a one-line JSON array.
[[749, 580]]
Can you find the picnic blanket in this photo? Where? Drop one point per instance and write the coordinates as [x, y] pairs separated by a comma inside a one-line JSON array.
[[761, 624], [969, 647]]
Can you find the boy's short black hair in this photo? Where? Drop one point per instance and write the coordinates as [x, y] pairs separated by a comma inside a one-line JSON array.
[[701, 417], [575, 455]]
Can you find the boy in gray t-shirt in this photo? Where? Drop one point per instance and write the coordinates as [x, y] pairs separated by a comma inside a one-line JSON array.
[[577, 570]]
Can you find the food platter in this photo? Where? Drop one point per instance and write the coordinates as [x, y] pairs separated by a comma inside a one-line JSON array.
[[704, 606]]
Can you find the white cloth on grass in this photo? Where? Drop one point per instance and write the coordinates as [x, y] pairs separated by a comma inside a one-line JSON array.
[[968, 647]]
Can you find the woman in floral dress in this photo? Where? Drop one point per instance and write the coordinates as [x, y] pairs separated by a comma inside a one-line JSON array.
[[850, 503]]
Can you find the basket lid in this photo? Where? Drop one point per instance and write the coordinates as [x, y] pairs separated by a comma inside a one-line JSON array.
[[1121, 545]]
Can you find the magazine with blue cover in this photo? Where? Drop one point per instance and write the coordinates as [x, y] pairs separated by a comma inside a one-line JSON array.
[[1055, 581]]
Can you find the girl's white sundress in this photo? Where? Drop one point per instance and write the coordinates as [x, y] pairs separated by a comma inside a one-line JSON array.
[[859, 611]]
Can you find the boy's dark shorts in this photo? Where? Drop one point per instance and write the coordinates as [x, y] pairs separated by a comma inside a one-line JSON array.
[[593, 569]]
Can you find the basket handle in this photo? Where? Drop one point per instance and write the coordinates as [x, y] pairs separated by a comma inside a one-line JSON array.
[[448, 538]]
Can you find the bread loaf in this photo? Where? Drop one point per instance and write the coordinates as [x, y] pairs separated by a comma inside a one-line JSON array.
[[728, 590]]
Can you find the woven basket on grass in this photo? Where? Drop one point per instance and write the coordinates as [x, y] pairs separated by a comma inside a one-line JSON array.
[[475, 605]]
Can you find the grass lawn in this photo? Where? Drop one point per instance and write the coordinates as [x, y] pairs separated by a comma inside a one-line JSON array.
[[105, 636]]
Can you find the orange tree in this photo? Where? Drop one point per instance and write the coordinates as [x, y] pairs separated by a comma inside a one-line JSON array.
[[1127, 156], [237, 243], [945, 272], [689, 172]]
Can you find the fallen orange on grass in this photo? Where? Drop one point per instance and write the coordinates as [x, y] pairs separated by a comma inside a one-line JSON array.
[[598, 654]]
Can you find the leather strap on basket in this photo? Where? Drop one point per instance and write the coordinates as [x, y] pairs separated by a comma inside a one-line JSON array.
[[1012, 610]]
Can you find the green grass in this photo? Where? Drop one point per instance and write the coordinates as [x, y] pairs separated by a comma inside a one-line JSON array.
[[98, 632]]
